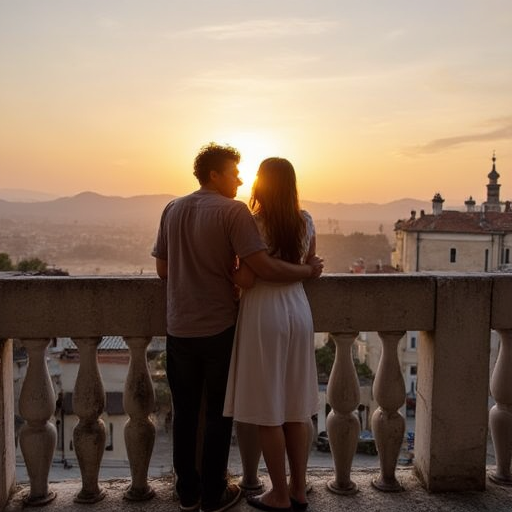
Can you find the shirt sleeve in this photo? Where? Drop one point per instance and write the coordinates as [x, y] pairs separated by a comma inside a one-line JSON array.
[[310, 226], [244, 234], [308, 235]]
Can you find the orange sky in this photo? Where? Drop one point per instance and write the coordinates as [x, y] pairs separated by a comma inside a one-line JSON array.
[[371, 101]]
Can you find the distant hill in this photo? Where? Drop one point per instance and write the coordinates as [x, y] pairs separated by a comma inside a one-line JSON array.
[[25, 196], [386, 212], [93, 208], [90, 208]]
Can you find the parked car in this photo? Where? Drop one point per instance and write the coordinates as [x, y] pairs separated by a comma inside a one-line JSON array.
[[410, 405], [365, 444], [322, 443]]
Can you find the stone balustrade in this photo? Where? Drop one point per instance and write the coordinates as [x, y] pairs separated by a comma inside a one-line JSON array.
[[453, 312]]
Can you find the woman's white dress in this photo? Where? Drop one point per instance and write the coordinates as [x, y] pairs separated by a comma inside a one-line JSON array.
[[272, 377]]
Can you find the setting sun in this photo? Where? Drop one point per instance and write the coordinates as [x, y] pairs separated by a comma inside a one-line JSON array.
[[254, 147]]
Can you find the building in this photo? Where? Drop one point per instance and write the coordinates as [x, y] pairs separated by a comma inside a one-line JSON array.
[[478, 239], [475, 240]]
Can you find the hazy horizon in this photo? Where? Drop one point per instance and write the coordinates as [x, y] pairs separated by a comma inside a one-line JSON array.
[[22, 195], [370, 101]]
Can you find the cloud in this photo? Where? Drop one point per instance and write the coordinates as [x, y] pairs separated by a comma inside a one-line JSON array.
[[502, 132], [108, 23], [261, 29]]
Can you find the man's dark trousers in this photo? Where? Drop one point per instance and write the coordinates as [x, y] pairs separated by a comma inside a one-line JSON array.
[[194, 364]]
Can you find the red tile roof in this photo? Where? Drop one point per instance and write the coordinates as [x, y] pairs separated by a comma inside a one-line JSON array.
[[459, 222]]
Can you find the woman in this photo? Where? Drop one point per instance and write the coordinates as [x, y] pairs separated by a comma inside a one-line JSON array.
[[273, 380]]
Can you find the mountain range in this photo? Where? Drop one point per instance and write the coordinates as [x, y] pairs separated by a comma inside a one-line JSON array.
[[93, 208]]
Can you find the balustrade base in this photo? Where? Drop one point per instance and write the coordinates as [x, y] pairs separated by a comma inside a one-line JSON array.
[[132, 494], [250, 486], [89, 497], [380, 485], [38, 501], [500, 480], [349, 490]]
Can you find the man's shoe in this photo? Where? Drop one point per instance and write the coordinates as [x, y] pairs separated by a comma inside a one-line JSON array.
[[231, 495]]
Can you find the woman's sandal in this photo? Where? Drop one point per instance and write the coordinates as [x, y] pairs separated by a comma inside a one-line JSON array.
[[255, 501]]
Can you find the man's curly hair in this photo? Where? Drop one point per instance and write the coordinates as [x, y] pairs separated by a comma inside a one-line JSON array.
[[212, 158]]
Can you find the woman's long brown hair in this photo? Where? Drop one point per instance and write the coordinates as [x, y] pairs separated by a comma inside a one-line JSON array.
[[275, 199]]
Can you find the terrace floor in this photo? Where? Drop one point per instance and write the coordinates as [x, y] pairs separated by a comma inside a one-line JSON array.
[[368, 499]]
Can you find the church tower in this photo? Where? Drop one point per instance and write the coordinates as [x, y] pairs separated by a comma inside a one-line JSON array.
[[493, 189]]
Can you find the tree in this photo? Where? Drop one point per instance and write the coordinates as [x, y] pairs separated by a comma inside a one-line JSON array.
[[31, 264], [5, 262], [325, 360]]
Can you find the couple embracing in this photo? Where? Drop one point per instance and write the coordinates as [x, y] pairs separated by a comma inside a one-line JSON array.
[[254, 358]]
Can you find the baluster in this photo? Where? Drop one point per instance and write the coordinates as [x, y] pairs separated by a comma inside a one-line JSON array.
[[500, 415], [139, 430], [388, 424], [89, 433], [38, 437], [342, 424]]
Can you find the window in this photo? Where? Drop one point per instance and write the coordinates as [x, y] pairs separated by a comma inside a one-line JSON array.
[[414, 370], [507, 255], [453, 255], [413, 342]]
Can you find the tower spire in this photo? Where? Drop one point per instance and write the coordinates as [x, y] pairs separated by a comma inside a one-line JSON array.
[[493, 188]]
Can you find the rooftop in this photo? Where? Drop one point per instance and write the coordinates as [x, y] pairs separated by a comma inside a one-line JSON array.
[[450, 221]]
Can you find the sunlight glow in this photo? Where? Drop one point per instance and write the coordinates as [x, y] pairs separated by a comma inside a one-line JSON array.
[[254, 147]]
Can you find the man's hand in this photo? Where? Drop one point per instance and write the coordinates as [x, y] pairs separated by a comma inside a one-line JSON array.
[[317, 265], [161, 268]]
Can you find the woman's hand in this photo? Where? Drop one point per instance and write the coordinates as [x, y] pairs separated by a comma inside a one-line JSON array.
[[317, 265]]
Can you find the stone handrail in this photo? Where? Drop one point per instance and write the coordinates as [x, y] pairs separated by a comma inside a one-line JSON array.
[[453, 312]]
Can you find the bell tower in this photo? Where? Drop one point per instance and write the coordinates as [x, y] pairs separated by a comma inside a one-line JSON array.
[[493, 189]]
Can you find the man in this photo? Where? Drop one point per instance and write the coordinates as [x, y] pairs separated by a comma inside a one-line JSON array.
[[199, 237]]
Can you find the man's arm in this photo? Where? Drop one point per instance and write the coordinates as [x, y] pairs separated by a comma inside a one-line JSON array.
[[161, 268], [243, 276], [274, 269]]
